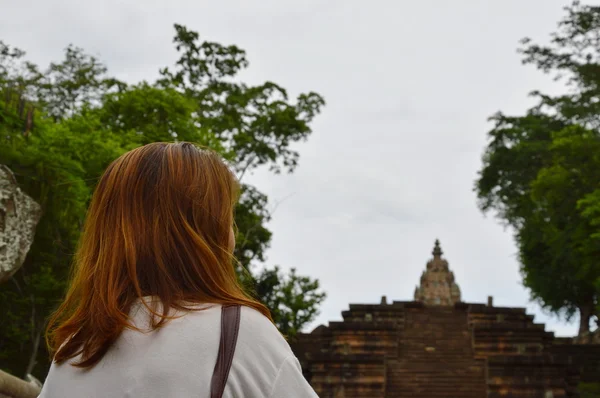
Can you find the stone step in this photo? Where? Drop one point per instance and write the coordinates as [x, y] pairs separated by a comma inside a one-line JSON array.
[[430, 352], [441, 393], [449, 367], [451, 391]]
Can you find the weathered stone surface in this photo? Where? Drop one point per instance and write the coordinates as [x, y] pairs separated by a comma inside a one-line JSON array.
[[19, 215], [437, 282], [420, 350], [13, 387], [588, 338]]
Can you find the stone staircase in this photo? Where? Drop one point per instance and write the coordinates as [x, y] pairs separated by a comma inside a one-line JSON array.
[[583, 358], [348, 358], [519, 360], [435, 357], [409, 349], [529, 376]]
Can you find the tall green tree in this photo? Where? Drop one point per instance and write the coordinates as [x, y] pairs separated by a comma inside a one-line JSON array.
[[84, 119], [52, 164], [257, 124], [569, 278], [541, 172]]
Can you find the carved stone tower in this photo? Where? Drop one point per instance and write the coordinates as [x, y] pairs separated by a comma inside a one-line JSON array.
[[437, 282]]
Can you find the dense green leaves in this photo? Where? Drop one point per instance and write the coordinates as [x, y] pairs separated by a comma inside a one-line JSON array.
[[55, 165], [293, 299], [143, 113], [567, 279], [573, 56], [516, 151], [251, 215], [257, 124], [84, 119], [589, 207], [541, 172]]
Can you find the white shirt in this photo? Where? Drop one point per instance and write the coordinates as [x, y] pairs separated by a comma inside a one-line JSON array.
[[178, 360]]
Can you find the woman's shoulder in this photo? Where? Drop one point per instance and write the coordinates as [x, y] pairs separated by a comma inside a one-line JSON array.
[[258, 338], [258, 332], [255, 328], [254, 320], [262, 353]]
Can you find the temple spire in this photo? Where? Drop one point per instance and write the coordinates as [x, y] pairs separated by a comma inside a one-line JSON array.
[[437, 286], [437, 250]]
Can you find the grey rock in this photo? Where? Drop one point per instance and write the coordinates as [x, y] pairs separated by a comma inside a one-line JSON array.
[[19, 215]]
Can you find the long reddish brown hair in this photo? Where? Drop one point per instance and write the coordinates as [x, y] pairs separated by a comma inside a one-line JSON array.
[[158, 225]]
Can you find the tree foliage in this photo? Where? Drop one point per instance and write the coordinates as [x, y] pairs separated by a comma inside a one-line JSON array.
[[50, 165], [541, 171], [256, 123], [84, 119], [293, 299]]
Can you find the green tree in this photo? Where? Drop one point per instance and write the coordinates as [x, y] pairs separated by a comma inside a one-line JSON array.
[[252, 237], [144, 113], [590, 209], [541, 172], [257, 124], [84, 119], [78, 81], [292, 299], [569, 279], [50, 166]]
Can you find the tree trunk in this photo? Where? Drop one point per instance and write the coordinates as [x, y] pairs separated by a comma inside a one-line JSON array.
[[34, 350], [585, 314], [36, 334]]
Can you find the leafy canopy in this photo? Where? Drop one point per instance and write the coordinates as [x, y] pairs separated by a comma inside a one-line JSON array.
[[541, 171], [83, 119]]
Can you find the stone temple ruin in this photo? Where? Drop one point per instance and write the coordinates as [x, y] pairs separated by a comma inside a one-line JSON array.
[[439, 346]]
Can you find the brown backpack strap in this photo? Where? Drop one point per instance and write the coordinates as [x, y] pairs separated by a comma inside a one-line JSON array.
[[230, 326]]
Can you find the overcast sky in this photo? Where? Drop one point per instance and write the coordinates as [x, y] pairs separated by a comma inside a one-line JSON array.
[[392, 161]]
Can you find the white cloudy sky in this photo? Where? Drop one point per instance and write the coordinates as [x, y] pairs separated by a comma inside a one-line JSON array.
[[392, 160]]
